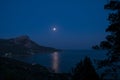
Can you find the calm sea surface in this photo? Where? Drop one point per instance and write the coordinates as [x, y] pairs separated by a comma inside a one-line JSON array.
[[61, 61]]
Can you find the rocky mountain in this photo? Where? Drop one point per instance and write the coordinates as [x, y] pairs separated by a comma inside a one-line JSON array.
[[22, 45]]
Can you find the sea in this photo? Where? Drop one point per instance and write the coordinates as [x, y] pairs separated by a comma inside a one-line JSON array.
[[63, 61]]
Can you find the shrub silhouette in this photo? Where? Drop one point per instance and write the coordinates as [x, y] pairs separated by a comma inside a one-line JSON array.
[[85, 71]]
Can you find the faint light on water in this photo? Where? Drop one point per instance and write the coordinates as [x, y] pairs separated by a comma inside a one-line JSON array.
[[55, 62]]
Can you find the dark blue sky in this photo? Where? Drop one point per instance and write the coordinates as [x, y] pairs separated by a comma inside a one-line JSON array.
[[80, 23]]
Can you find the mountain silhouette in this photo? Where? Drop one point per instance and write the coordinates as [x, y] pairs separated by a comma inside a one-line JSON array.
[[22, 45]]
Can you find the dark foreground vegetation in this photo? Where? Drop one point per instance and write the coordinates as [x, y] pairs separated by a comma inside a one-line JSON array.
[[11, 69], [85, 71], [111, 64]]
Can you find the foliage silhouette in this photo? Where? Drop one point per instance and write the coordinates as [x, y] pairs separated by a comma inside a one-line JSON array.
[[85, 71], [112, 43]]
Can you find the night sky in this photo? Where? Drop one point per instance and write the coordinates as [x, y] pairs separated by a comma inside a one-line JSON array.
[[79, 23]]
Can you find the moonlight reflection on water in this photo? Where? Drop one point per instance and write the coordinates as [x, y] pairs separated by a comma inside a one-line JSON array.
[[55, 62]]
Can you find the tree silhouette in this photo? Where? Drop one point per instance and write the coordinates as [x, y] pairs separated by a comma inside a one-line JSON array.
[[85, 71], [112, 43]]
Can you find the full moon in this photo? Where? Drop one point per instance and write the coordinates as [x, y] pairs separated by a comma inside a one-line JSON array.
[[54, 29]]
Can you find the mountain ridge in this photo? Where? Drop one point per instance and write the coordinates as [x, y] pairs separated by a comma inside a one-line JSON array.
[[22, 45]]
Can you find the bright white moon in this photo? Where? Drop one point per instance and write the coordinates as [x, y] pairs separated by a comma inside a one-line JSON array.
[[54, 29]]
